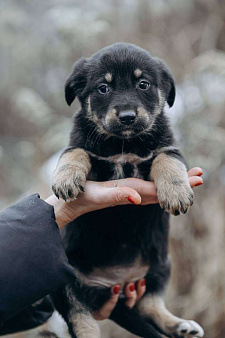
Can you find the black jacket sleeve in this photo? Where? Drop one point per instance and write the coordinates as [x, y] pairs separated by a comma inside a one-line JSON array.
[[33, 262]]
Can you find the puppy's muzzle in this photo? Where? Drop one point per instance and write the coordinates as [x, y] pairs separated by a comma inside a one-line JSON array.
[[127, 117]]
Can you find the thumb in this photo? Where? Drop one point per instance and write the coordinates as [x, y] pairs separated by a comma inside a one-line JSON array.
[[123, 195]]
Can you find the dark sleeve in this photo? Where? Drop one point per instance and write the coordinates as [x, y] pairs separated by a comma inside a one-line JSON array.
[[33, 262]]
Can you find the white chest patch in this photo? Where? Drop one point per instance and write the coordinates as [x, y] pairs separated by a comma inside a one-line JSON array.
[[119, 274]]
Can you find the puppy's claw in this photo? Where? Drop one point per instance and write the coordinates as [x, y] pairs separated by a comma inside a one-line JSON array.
[[70, 193], [69, 188], [175, 199], [81, 188], [191, 201], [63, 196]]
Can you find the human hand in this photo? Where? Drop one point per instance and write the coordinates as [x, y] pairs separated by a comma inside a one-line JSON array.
[[132, 292], [99, 195]]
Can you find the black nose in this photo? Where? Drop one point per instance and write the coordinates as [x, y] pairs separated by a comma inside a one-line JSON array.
[[127, 117]]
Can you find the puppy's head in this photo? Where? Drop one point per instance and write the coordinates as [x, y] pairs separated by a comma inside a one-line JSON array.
[[122, 89]]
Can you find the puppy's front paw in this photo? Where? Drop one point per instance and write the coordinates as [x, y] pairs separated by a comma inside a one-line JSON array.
[[68, 182], [175, 196]]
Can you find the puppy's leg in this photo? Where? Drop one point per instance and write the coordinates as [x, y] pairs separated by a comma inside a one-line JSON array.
[[133, 321], [171, 179], [80, 322], [71, 173], [153, 307]]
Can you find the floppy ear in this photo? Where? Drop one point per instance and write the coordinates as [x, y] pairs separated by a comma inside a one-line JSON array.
[[168, 86], [76, 81], [166, 82]]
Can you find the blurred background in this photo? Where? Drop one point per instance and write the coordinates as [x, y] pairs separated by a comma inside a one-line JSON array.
[[40, 40]]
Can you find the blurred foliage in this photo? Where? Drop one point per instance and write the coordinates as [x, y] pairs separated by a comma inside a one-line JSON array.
[[40, 40]]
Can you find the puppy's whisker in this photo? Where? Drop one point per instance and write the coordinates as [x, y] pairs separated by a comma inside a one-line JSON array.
[[95, 137], [90, 135], [102, 137], [141, 138]]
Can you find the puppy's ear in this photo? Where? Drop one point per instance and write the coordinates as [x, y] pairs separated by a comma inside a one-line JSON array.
[[76, 82], [168, 86], [166, 82]]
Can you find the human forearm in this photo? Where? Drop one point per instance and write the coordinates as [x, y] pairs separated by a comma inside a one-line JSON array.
[[32, 260]]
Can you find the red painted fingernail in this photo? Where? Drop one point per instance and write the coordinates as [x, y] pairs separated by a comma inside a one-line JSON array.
[[143, 282], [130, 199], [116, 289], [132, 287], [200, 183]]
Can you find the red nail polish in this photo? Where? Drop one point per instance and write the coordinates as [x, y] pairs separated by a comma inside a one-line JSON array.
[[116, 289], [143, 282], [130, 199], [200, 183], [132, 287]]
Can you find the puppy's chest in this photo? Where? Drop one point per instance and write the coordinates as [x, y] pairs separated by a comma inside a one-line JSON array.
[[119, 166], [125, 169]]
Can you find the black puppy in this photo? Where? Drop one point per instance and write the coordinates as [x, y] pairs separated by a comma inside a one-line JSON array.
[[121, 131]]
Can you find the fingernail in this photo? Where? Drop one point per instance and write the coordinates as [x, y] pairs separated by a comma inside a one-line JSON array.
[[143, 282], [116, 289], [132, 287], [200, 183], [130, 199]]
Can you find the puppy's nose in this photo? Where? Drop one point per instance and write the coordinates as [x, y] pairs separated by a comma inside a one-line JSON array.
[[127, 117]]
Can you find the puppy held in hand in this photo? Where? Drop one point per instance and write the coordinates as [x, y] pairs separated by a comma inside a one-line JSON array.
[[121, 131]]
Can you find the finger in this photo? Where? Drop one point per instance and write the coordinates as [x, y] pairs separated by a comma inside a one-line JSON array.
[[140, 288], [195, 181], [146, 189], [196, 171], [131, 294], [103, 195], [142, 187], [105, 311], [122, 195]]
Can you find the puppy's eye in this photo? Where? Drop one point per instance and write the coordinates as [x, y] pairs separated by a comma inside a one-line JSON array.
[[144, 85], [103, 89]]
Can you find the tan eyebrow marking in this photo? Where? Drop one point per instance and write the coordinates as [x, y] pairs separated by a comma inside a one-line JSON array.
[[108, 77], [137, 72]]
